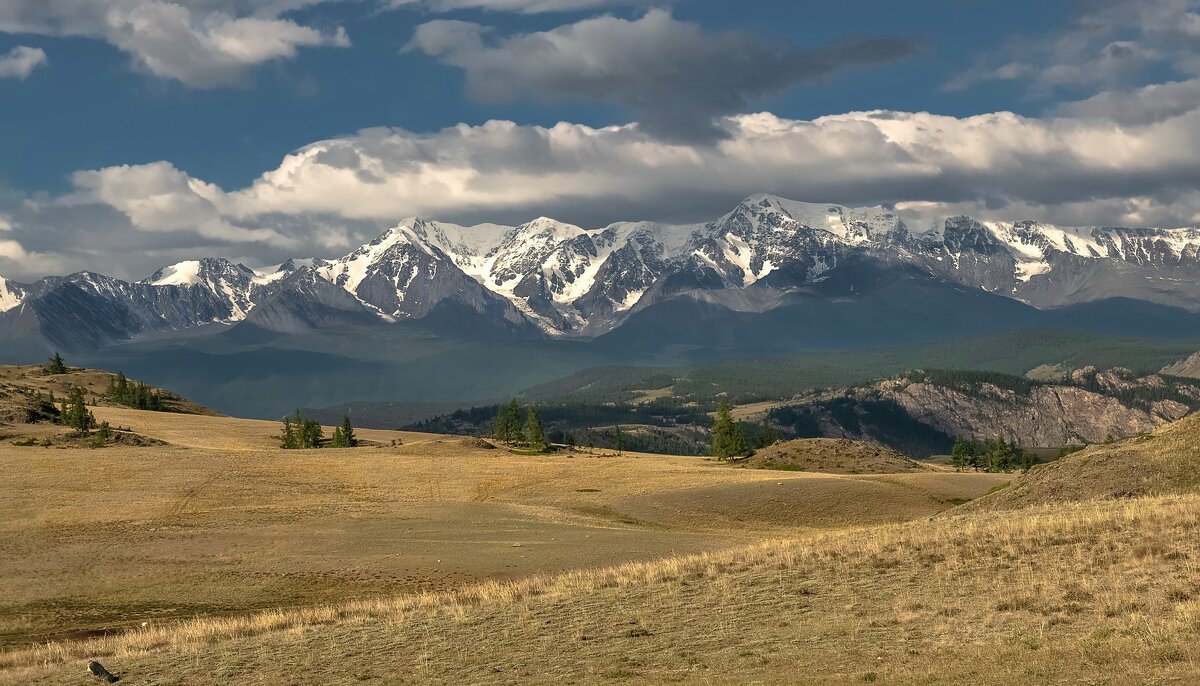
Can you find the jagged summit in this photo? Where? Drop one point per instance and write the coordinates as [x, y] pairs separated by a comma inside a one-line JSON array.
[[566, 280]]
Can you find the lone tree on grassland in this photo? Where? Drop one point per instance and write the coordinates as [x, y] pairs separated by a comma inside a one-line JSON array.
[[56, 365], [728, 441]]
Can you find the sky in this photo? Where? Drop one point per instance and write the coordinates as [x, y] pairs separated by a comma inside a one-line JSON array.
[[138, 133]]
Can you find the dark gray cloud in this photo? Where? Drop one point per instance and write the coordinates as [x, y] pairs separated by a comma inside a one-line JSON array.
[[1109, 44], [675, 77], [1146, 105]]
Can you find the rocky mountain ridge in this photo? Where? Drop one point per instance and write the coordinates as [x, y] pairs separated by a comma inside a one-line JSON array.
[[547, 278]]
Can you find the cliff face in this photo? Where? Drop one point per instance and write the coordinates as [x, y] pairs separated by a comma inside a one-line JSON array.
[[1047, 416], [922, 412], [1189, 367]]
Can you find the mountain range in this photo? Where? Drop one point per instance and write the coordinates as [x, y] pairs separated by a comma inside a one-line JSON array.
[[548, 279]]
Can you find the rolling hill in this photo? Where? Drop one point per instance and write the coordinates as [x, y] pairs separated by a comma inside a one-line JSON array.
[[1159, 463]]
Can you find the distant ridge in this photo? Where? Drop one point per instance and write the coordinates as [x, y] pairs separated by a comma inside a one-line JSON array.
[[548, 278]]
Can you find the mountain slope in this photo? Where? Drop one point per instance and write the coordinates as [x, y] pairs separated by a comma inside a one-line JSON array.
[[1164, 462]]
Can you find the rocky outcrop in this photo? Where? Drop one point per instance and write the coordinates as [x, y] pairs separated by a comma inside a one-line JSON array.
[[1047, 416], [1189, 367], [922, 411]]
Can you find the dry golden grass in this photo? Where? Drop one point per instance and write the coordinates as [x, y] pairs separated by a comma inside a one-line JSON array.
[[442, 562], [222, 522], [1103, 592], [753, 412], [1164, 462], [94, 383], [228, 433], [222, 559]]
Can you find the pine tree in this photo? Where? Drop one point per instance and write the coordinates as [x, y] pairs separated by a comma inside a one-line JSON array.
[[618, 439], [308, 432], [535, 437], [75, 412], [514, 422], [103, 435], [503, 429], [288, 439], [343, 436], [1001, 458], [56, 365], [728, 441], [767, 435], [964, 454]]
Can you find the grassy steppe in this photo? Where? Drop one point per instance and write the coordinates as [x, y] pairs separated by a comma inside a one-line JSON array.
[[440, 561], [1097, 593], [221, 521]]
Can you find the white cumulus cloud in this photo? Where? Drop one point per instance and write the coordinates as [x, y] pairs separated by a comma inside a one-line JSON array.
[[20, 62], [202, 43], [1080, 168]]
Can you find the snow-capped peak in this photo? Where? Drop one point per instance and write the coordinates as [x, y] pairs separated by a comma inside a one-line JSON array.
[[231, 283], [184, 273], [10, 295], [1032, 244], [854, 225], [272, 273], [571, 279]]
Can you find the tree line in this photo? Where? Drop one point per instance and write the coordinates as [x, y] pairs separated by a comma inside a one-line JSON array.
[[300, 433], [508, 427], [138, 395], [996, 455]]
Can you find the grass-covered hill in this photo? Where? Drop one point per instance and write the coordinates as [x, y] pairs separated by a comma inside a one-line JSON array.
[[26, 385], [1164, 462], [834, 456], [427, 559]]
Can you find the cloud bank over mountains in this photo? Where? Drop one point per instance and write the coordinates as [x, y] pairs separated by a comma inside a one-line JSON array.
[[337, 193], [1121, 151]]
